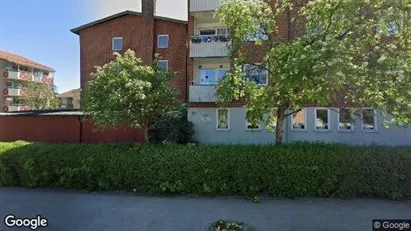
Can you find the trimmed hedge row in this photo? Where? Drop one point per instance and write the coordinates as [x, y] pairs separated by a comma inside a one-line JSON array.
[[291, 170]]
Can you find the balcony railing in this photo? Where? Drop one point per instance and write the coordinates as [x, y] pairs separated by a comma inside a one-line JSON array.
[[209, 46], [202, 93], [24, 75], [202, 5], [14, 91], [16, 107]]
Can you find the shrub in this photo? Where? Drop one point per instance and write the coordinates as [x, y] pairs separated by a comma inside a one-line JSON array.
[[172, 128], [290, 170]]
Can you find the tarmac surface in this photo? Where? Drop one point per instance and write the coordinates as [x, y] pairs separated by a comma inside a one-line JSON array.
[[78, 211]]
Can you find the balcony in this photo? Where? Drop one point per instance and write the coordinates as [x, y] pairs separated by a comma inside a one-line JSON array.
[[202, 93], [47, 80], [21, 75], [13, 91], [12, 108], [202, 5], [214, 46]]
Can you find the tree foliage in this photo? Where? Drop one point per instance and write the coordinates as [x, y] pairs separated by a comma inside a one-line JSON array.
[[125, 91], [339, 53], [39, 96]]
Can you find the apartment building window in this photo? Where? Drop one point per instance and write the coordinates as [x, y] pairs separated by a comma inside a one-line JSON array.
[[212, 33], [257, 74], [299, 121], [117, 44], [212, 76], [223, 119], [162, 41], [10, 84], [368, 120], [11, 66], [259, 35], [23, 68], [392, 28], [163, 64], [249, 126], [345, 120], [322, 119]]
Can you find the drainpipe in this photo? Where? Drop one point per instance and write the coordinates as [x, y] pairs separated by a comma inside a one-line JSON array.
[[80, 119]]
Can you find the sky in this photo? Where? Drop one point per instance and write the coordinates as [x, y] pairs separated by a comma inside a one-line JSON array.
[[40, 29]]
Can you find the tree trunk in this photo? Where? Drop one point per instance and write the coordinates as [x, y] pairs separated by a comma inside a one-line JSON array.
[[146, 134], [279, 131]]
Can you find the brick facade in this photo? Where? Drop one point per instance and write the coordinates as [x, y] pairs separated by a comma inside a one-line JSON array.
[[139, 34]]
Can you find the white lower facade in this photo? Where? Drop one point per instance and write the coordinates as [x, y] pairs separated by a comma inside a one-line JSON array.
[[213, 125]]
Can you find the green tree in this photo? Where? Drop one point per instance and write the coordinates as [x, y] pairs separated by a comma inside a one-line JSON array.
[[124, 91], [335, 53], [39, 96]]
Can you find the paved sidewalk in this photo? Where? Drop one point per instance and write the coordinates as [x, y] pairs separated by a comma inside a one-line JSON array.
[[80, 211]]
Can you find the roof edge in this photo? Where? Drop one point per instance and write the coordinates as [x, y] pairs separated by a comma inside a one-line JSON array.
[[127, 12]]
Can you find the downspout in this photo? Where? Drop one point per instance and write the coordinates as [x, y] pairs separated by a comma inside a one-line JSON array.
[[187, 59], [187, 52], [154, 37]]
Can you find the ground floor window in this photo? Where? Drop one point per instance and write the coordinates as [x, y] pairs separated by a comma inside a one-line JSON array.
[[250, 126], [299, 121], [369, 120], [345, 120], [223, 122], [322, 119]]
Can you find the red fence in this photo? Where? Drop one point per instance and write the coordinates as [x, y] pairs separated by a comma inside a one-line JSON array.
[[62, 129]]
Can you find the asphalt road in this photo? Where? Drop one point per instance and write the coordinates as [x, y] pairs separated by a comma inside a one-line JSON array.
[[78, 211]]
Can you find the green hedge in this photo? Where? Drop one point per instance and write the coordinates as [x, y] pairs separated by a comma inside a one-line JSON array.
[[291, 170]]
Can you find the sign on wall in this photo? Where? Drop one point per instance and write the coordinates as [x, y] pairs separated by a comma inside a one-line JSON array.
[[205, 117]]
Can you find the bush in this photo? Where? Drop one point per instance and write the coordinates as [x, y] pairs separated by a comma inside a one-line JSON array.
[[172, 128], [290, 170]]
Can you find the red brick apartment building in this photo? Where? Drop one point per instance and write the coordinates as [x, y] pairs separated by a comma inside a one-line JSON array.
[[145, 33], [197, 50], [15, 69]]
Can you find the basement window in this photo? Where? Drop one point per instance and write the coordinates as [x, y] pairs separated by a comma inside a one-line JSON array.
[[117, 44]]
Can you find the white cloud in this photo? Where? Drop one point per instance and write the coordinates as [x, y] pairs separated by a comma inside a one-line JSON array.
[[167, 8]]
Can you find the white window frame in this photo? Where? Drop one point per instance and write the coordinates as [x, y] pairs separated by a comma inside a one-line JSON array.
[[228, 120], [163, 61], [158, 40], [375, 121], [216, 71], [328, 120], [305, 122], [112, 44], [251, 129], [215, 31], [266, 82], [255, 37], [343, 129]]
